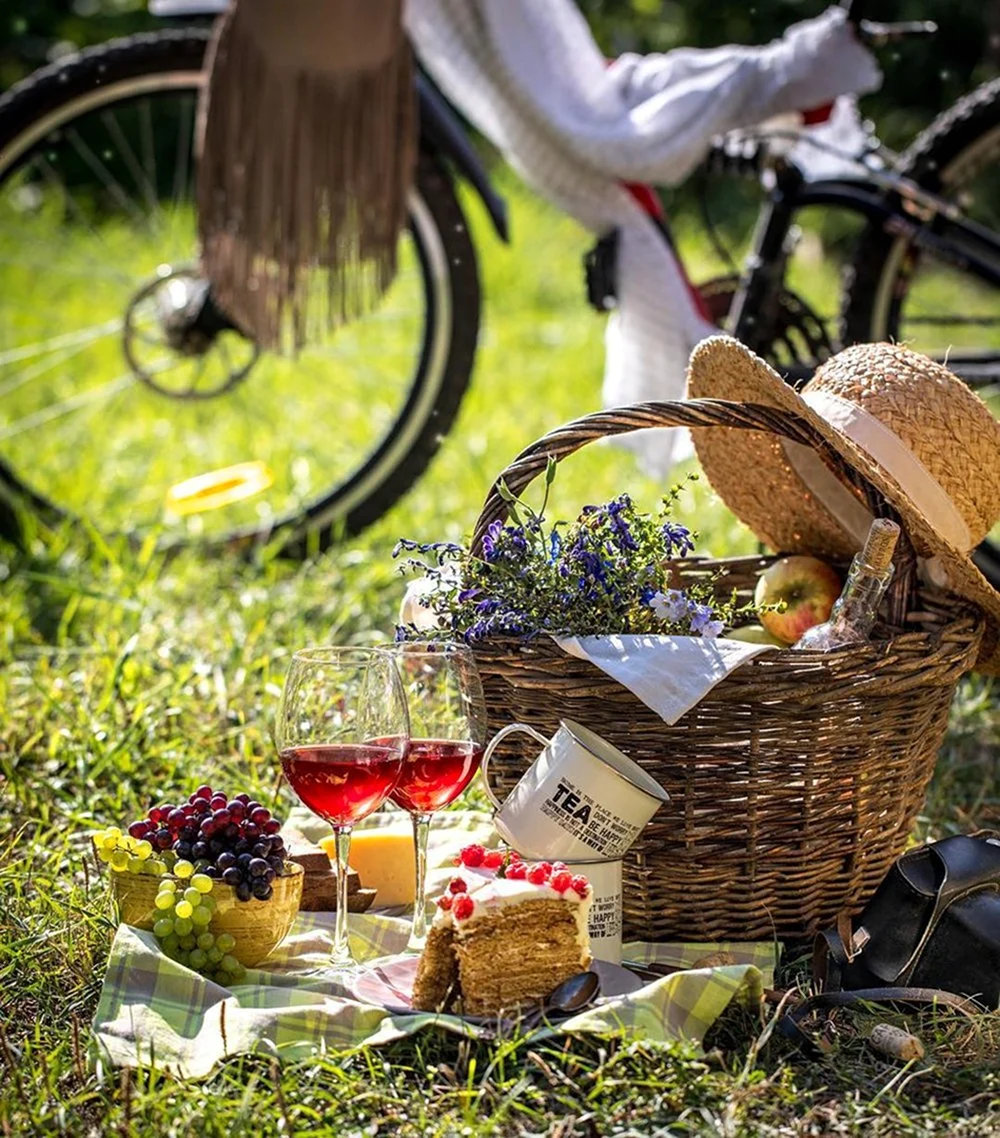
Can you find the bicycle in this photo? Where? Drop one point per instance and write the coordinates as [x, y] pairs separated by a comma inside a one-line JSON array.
[[96, 167]]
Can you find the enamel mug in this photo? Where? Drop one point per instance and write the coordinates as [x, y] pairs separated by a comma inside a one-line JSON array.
[[580, 800]]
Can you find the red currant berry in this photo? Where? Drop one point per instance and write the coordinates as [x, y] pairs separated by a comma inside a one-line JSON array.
[[538, 874], [558, 865], [472, 856], [204, 791], [516, 871], [580, 885], [457, 885], [561, 881], [492, 859], [515, 856], [445, 902], [463, 906]]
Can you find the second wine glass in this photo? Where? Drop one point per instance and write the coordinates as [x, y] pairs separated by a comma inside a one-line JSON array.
[[447, 711]]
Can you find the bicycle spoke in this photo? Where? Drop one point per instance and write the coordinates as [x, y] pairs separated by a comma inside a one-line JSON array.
[[110, 182], [110, 120], [67, 406]]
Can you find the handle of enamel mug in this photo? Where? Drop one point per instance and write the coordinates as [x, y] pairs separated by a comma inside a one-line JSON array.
[[492, 745]]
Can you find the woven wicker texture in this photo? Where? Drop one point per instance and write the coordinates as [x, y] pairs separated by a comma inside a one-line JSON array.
[[945, 425], [795, 782]]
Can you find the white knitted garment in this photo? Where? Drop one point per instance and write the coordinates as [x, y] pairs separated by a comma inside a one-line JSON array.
[[529, 75]]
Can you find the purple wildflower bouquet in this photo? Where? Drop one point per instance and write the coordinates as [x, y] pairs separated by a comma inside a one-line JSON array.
[[602, 574]]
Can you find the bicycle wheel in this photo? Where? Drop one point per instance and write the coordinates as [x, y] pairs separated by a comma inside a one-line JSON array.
[[126, 400], [896, 292]]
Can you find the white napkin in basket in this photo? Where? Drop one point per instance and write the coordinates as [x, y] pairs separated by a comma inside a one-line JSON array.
[[670, 674]]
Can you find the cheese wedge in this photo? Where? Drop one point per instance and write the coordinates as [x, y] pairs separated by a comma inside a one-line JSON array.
[[385, 861]]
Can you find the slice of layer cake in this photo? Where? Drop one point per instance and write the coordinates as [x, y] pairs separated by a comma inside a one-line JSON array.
[[503, 940]]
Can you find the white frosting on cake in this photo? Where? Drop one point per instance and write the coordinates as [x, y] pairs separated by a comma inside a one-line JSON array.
[[493, 893]]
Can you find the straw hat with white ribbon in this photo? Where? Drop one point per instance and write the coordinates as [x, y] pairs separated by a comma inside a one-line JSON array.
[[910, 426]]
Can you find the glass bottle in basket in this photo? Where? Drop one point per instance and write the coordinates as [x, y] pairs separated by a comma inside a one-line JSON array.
[[855, 610]]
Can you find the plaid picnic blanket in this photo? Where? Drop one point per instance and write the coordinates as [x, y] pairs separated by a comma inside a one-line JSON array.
[[154, 1011]]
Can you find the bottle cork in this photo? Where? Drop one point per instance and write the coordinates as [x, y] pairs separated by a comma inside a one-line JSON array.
[[880, 544]]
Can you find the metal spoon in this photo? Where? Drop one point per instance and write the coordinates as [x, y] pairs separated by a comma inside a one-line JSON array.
[[572, 995]]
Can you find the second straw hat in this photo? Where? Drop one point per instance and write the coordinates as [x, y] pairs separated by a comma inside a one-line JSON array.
[[910, 426]]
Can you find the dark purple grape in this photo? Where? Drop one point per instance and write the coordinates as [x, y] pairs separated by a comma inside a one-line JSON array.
[[262, 890], [270, 875], [276, 863], [208, 826], [261, 849], [218, 801], [260, 816], [216, 846], [183, 850], [257, 867], [242, 846], [243, 860], [244, 798], [232, 876], [201, 807], [188, 833], [175, 819], [139, 829], [277, 843], [222, 817], [199, 850], [237, 810], [251, 832], [203, 791], [225, 860], [163, 839], [243, 891], [232, 832], [272, 827], [212, 871]]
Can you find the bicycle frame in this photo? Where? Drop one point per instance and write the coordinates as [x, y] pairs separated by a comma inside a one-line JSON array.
[[925, 220]]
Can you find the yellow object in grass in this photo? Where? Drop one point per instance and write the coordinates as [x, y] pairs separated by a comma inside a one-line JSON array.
[[385, 861], [218, 488]]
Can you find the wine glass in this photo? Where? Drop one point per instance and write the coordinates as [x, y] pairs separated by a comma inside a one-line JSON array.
[[447, 734], [342, 733]]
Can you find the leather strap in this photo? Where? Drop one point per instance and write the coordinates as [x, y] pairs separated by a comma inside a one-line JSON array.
[[790, 1027]]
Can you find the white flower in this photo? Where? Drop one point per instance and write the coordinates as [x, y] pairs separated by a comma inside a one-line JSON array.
[[670, 606]]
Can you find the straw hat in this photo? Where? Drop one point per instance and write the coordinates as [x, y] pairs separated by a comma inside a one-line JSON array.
[[911, 427]]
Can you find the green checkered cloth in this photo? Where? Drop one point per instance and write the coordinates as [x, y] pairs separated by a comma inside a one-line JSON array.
[[155, 1012]]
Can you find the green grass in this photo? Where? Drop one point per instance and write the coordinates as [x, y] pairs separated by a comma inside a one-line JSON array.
[[125, 677]]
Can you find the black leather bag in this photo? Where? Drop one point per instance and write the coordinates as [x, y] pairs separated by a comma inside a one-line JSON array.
[[929, 935], [934, 922]]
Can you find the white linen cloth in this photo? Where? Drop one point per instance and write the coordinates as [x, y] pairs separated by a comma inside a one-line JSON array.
[[670, 674], [530, 76]]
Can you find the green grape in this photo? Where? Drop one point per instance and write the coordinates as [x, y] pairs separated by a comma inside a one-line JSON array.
[[229, 963], [206, 941], [201, 915], [119, 860], [135, 865], [183, 869], [183, 958], [238, 973], [164, 900], [104, 855], [209, 902], [170, 944], [112, 832], [107, 842], [169, 857], [226, 942], [149, 868], [169, 885], [214, 955], [163, 927], [202, 882], [198, 959], [187, 942], [183, 925], [157, 866], [192, 896], [143, 849], [183, 908]]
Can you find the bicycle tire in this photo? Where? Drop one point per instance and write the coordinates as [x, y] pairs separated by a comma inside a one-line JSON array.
[[873, 289], [446, 356]]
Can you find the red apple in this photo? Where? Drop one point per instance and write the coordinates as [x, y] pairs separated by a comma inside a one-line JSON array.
[[808, 587]]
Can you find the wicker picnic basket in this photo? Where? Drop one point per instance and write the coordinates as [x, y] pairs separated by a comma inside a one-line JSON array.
[[795, 782]]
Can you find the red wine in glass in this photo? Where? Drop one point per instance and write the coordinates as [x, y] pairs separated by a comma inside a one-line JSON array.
[[434, 773], [343, 782]]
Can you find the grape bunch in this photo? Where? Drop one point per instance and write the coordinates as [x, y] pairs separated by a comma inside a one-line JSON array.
[[233, 840], [183, 913], [126, 854]]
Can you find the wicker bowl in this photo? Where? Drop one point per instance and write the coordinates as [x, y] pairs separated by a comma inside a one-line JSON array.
[[258, 926]]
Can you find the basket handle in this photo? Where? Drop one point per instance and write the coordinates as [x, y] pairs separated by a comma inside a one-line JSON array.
[[565, 440]]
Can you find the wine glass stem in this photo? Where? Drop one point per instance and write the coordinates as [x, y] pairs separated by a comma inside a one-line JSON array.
[[341, 943], [421, 830]]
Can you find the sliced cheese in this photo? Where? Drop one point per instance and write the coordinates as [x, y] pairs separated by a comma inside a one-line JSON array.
[[385, 861]]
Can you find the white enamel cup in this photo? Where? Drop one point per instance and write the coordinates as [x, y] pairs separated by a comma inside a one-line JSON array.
[[604, 922], [580, 800]]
